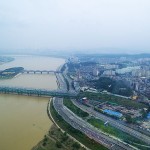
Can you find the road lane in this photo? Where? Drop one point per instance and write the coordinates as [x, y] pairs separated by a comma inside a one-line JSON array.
[[88, 129], [113, 122]]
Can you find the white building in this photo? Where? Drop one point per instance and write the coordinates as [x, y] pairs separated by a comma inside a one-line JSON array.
[[109, 73], [95, 72]]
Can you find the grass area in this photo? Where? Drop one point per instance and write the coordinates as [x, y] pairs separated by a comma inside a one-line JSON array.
[[75, 133], [113, 99], [115, 132], [68, 103], [50, 145], [56, 140]]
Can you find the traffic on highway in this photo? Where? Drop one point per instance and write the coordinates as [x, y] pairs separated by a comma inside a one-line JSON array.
[[113, 122], [88, 129]]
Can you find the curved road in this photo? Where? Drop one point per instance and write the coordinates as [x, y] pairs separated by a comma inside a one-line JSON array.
[[88, 129], [113, 122]]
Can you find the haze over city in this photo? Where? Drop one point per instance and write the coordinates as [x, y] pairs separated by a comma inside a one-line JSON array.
[[103, 26], [74, 75]]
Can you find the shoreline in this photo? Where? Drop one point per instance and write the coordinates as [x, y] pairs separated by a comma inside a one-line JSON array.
[[63, 131], [29, 55], [49, 97], [57, 80]]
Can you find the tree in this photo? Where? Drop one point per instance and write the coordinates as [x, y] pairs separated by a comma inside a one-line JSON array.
[[64, 137], [51, 132], [58, 144], [148, 110], [144, 113], [76, 145], [129, 119], [44, 144]]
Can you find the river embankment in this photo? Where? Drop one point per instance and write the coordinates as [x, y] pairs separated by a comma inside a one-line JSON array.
[[24, 120]]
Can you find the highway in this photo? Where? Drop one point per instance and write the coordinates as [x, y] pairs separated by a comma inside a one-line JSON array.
[[61, 77], [61, 82], [71, 88], [113, 122], [88, 129]]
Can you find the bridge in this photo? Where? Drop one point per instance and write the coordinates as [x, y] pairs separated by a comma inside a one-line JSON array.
[[36, 92], [40, 71]]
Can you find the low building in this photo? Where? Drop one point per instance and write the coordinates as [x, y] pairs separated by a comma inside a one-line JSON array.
[[109, 73], [84, 100], [148, 115], [113, 113]]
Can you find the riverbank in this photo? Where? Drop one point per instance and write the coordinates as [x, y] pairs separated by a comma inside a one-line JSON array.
[[34, 81], [76, 134], [29, 120], [57, 138], [10, 72], [53, 120]]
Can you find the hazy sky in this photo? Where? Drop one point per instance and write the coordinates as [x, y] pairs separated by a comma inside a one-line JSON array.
[[103, 25]]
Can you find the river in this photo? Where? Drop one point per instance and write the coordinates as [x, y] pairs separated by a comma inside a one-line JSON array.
[[23, 119]]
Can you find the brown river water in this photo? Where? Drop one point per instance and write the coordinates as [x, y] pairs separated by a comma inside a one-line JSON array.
[[23, 119]]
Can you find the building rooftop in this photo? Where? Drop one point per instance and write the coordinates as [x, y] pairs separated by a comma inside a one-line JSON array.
[[148, 115], [113, 113]]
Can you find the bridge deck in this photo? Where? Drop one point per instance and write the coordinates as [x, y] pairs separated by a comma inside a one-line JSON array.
[[41, 71], [38, 92]]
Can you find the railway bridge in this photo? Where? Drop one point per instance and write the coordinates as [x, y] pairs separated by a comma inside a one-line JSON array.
[[40, 71], [36, 92]]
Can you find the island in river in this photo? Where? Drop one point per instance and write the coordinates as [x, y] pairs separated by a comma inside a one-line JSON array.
[[23, 119], [10, 72]]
